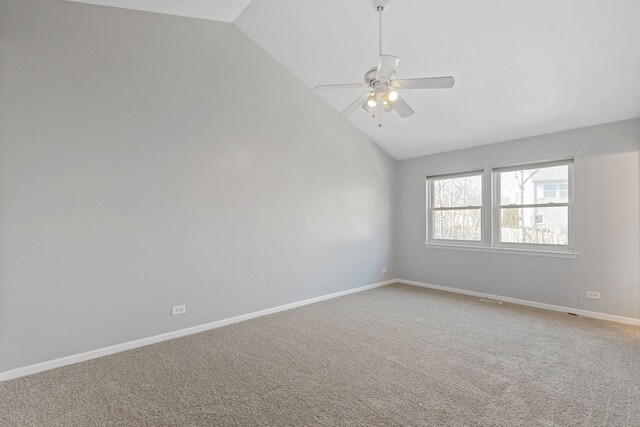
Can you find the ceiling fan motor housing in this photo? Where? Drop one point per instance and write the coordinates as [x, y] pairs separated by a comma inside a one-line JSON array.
[[370, 79], [370, 75]]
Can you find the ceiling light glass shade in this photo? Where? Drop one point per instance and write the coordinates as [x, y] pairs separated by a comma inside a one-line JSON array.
[[372, 102], [393, 96]]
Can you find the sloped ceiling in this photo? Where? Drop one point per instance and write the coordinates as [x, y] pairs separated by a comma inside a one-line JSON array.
[[522, 68], [216, 10]]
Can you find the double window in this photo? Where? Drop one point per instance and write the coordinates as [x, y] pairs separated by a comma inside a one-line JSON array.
[[517, 206]]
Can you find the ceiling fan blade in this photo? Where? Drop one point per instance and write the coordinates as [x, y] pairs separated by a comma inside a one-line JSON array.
[[387, 65], [354, 106], [341, 86], [446, 82], [402, 108]]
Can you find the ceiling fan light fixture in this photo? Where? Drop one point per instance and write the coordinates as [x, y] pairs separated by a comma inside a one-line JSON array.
[[372, 101], [393, 95]]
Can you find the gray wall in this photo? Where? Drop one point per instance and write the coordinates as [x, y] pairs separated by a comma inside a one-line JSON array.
[[149, 161], [607, 215]]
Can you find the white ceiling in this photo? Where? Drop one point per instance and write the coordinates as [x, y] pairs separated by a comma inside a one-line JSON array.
[[217, 10], [522, 67]]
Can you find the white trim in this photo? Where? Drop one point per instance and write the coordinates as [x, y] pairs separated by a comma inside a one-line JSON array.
[[93, 354], [443, 288], [535, 205], [535, 165], [506, 250], [578, 311], [474, 172]]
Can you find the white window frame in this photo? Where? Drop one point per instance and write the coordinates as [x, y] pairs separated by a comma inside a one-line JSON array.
[[497, 207], [490, 215], [431, 209]]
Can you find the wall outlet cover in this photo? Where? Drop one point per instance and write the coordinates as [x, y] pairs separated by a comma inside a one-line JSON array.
[[178, 309], [593, 295]]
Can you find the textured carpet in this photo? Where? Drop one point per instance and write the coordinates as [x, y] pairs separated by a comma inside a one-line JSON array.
[[396, 355]]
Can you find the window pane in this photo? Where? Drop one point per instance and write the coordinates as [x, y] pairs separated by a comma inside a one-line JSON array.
[[457, 192], [535, 225], [542, 185], [459, 224]]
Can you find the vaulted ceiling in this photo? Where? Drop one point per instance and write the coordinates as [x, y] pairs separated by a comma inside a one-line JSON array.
[[522, 68], [217, 10]]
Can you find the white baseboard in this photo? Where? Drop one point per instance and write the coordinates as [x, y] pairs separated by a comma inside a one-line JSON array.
[[94, 354], [580, 312]]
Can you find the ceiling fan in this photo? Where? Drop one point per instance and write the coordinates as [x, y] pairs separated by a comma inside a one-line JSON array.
[[382, 85]]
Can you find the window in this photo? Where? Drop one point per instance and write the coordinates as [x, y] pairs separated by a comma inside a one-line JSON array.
[[535, 204], [525, 206], [455, 207]]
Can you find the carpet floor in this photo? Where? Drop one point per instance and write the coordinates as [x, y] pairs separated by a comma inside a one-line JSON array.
[[396, 355]]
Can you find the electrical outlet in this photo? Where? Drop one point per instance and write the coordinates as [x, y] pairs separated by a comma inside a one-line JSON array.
[[593, 295], [178, 309], [384, 269]]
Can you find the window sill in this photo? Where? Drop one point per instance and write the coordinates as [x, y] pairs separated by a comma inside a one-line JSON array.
[[570, 254]]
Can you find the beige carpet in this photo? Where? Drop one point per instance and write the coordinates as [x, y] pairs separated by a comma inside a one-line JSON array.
[[397, 355]]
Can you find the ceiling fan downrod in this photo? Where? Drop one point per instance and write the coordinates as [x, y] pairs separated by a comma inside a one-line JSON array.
[[380, 6]]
